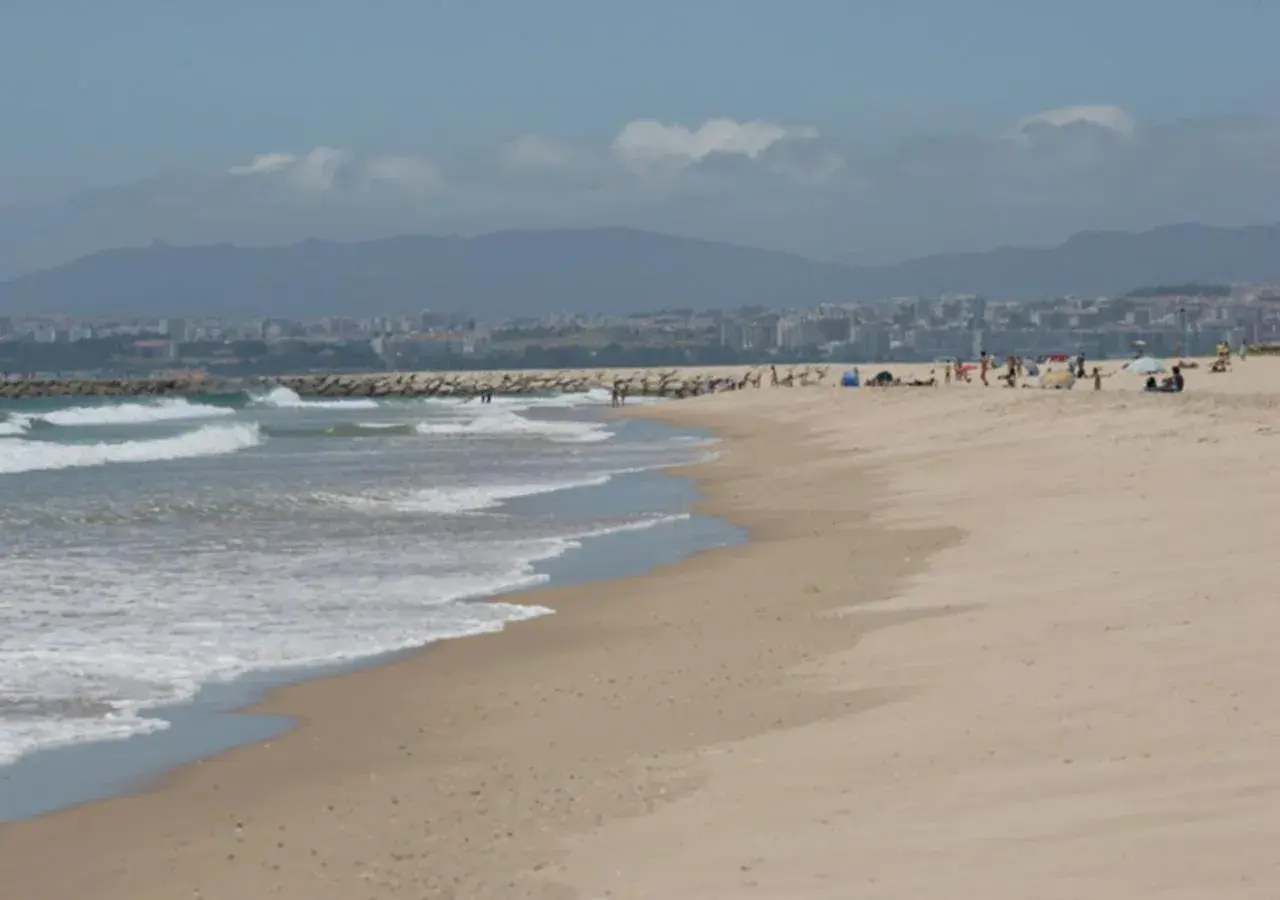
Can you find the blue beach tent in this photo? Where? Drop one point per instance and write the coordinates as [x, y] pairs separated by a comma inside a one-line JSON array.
[[850, 379]]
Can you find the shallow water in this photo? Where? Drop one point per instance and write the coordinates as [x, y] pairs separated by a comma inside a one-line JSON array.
[[155, 547]]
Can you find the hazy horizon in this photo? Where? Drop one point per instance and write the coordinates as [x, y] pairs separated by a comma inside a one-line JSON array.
[[837, 134]]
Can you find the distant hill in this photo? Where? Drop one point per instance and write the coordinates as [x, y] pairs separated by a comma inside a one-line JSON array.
[[1096, 262], [607, 270]]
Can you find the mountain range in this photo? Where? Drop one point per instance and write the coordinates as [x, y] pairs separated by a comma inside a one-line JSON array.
[[607, 270]]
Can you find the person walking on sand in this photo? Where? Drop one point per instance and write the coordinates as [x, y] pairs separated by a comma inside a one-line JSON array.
[[984, 362], [946, 373], [1097, 378]]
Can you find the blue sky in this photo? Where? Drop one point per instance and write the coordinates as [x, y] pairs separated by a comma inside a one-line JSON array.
[[865, 131], [98, 92]]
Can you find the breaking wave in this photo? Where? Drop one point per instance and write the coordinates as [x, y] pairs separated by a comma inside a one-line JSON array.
[[285, 398], [507, 423], [458, 499], [209, 440], [167, 409], [14, 425]]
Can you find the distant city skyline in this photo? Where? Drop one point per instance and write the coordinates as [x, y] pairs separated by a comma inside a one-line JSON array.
[[838, 131]]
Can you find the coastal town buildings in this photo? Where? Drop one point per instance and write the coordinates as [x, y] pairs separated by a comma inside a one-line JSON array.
[[1166, 321]]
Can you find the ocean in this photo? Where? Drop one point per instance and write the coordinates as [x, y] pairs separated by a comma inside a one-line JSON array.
[[155, 548]]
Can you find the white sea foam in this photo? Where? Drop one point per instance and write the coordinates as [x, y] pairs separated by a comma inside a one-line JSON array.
[[458, 499], [111, 669], [126, 639], [163, 410], [507, 423], [14, 425], [209, 440], [284, 398], [637, 525], [21, 735], [518, 402]]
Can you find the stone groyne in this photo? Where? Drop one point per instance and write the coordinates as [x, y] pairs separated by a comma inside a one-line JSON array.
[[675, 382]]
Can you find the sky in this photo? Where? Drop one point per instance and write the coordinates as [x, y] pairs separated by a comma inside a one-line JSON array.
[[859, 131]]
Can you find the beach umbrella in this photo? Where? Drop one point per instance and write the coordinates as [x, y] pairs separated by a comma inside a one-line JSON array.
[[1146, 365]]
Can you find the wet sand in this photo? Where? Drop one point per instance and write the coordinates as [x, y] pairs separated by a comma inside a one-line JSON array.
[[982, 642]]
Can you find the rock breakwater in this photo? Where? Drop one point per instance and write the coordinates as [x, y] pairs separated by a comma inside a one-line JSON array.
[[656, 382]]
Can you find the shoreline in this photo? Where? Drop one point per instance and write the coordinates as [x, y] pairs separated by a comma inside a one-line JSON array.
[[489, 685], [222, 716], [658, 381], [972, 643]]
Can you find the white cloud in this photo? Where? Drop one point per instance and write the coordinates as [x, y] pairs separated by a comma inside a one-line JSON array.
[[264, 163], [1112, 118], [1068, 169], [533, 152], [327, 171], [316, 171], [407, 172], [313, 172], [646, 141]]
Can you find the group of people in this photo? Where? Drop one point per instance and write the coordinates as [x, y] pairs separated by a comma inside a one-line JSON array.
[[1173, 384], [1015, 367]]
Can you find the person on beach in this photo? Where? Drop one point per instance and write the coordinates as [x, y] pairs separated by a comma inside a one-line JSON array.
[[773, 376], [984, 362], [1097, 378], [1171, 385], [946, 373]]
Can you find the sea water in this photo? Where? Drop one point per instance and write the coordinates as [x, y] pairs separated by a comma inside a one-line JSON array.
[[149, 548]]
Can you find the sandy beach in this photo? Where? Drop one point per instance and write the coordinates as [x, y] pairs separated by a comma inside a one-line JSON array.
[[983, 642]]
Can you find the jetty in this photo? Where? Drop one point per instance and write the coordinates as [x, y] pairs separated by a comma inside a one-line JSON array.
[[669, 382]]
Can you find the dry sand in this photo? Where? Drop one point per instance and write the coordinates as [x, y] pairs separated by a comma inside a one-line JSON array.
[[984, 643]]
